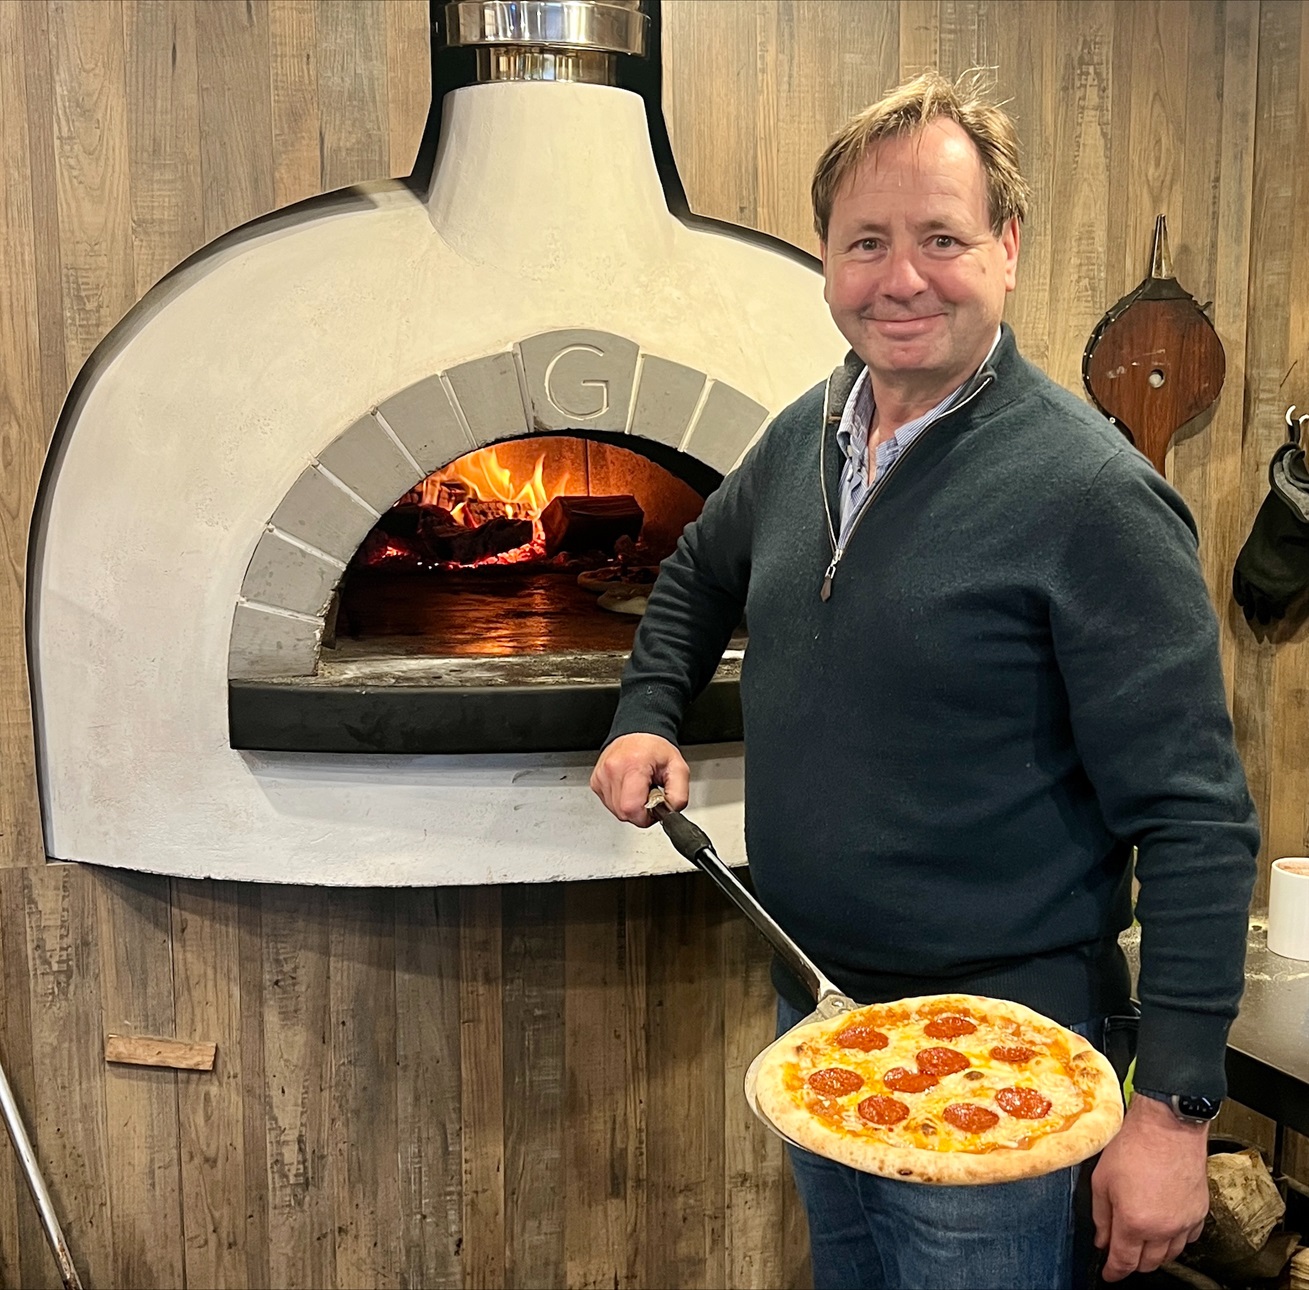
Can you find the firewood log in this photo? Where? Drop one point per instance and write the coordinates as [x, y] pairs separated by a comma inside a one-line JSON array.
[[590, 523]]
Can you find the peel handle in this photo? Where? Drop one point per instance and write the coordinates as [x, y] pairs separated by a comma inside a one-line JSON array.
[[693, 843]]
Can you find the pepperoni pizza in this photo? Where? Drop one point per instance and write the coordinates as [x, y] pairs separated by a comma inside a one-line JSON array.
[[952, 1089]]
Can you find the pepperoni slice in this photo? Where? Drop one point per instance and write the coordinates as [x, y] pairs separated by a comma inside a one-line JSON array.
[[900, 1080], [865, 1038], [835, 1081], [941, 1061], [949, 1027], [884, 1110], [1023, 1103], [1015, 1054], [970, 1117]]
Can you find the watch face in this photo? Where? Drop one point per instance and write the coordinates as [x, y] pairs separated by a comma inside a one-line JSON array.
[[1198, 1108]]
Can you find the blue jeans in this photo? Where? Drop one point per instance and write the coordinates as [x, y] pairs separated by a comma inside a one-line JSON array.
[[867, 1232]]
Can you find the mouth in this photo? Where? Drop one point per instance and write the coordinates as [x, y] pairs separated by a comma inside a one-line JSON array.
[[906, 326]]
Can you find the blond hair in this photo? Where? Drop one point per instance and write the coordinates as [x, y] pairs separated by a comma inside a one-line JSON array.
[[906, 110]]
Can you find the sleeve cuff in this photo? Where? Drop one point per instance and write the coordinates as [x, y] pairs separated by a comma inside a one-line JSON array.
[[1182, 1052]]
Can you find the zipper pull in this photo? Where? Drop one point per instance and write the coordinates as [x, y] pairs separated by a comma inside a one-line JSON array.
[[825, 594]]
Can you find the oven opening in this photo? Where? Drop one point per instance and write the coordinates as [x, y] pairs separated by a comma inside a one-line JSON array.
[[493, 606], [538, 546]]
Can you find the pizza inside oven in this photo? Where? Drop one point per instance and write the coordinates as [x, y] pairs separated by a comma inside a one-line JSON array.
[[953, 1089]]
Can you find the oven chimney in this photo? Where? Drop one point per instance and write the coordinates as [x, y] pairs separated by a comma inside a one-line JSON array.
[[548, 40]]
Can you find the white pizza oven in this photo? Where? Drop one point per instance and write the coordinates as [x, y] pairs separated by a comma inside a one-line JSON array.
[[233, 450]]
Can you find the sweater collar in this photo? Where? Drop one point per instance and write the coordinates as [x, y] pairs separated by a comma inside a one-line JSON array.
[[842, 381]]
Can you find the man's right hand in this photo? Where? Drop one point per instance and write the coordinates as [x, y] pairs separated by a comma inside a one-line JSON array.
[[630, 767]]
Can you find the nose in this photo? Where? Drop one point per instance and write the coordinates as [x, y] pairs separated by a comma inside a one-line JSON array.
[[902, 279]]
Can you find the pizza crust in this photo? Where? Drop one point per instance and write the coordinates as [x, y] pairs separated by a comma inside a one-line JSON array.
[[961, 1159]]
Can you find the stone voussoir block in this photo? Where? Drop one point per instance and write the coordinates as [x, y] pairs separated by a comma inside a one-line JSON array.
[[316, 511], [265, 643], [579, 379], [289, 577], [723, 430], [366, 460], [667, 395], [424, 420], [489, 398]]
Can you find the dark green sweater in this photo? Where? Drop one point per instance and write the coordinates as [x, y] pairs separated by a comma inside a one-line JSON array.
[[1015, 679]]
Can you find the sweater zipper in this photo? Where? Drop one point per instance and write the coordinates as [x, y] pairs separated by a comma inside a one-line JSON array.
[[838, 550]]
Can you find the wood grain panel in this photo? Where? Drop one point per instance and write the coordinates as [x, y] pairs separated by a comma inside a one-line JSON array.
[[91, 172], [236, 129], [408, 81], [1079, 292], [163, 134], [297, 134], [683, 1145], [1026, 75], [754, 1159], [1220, 484], [136, 988], [21, 439], [596, 1180], [68, 1125], [1274, 215], [254, 1118], [296, 937], [1288, 811], [361, 1052], [24, 1257], [428, 1088], [533, 1022], [354, 108], [713, 43], [920, 36], [481, 1057], [37, 70], [207, 1006]]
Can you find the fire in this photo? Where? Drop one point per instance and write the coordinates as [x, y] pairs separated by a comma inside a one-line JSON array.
[[487, 480]]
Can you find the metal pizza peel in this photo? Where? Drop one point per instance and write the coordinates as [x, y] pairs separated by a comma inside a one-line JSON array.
[[693, 843]]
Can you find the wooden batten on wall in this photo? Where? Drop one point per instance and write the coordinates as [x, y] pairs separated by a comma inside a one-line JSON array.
[[515, 1086]]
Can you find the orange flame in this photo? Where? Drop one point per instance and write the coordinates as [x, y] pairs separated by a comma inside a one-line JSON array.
[[489, 481]]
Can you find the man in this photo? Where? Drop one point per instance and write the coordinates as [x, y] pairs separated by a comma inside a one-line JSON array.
[[982, 665]]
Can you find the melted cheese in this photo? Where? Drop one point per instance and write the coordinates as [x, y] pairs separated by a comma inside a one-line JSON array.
[[926, 1128]]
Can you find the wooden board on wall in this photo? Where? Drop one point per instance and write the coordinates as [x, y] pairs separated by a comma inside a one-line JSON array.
[[477, 1088]]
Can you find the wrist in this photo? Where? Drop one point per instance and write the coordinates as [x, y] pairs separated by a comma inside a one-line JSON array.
[[1156, 1111]]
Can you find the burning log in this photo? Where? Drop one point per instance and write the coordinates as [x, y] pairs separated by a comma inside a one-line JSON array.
[[463, 546], [590, 523], [476, 511]]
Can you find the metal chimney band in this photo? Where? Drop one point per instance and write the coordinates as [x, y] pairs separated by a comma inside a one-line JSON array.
[[587, 66], [547, 40]]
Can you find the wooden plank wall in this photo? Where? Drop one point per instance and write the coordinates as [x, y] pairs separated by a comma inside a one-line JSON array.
[[539, 1086]]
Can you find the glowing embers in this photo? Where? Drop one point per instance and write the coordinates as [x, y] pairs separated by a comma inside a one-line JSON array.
[[537, 545], [472, 512]]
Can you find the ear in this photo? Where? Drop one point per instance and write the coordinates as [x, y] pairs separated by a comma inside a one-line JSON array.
[[822, 255], [1011, 239]]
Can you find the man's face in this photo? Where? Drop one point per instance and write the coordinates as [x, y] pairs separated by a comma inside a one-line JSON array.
[[915, 279]]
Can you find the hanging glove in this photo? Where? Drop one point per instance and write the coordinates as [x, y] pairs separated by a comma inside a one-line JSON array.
[[1273, 567]]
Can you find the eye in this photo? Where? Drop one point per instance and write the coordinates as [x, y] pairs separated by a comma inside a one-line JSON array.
[[944, 242], [868, 245]]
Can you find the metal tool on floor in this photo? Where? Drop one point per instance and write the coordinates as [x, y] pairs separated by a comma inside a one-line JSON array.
[[36, 1184]]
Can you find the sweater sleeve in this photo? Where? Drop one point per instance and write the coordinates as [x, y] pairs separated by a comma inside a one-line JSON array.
[[695, 605], [1136, 640]]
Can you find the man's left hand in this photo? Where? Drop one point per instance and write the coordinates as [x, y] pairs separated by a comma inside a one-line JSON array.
[[1150, 1191]]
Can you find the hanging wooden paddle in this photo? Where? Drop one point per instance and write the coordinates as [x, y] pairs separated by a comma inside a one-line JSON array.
[[1154, 360]]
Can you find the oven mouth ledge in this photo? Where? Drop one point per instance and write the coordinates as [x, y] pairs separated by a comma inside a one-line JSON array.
[[523, 704]]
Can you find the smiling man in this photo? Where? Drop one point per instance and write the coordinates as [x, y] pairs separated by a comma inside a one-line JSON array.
[[982, 666]]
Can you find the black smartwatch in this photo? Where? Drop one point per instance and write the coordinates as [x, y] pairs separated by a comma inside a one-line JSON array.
[[1189, 1110]]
